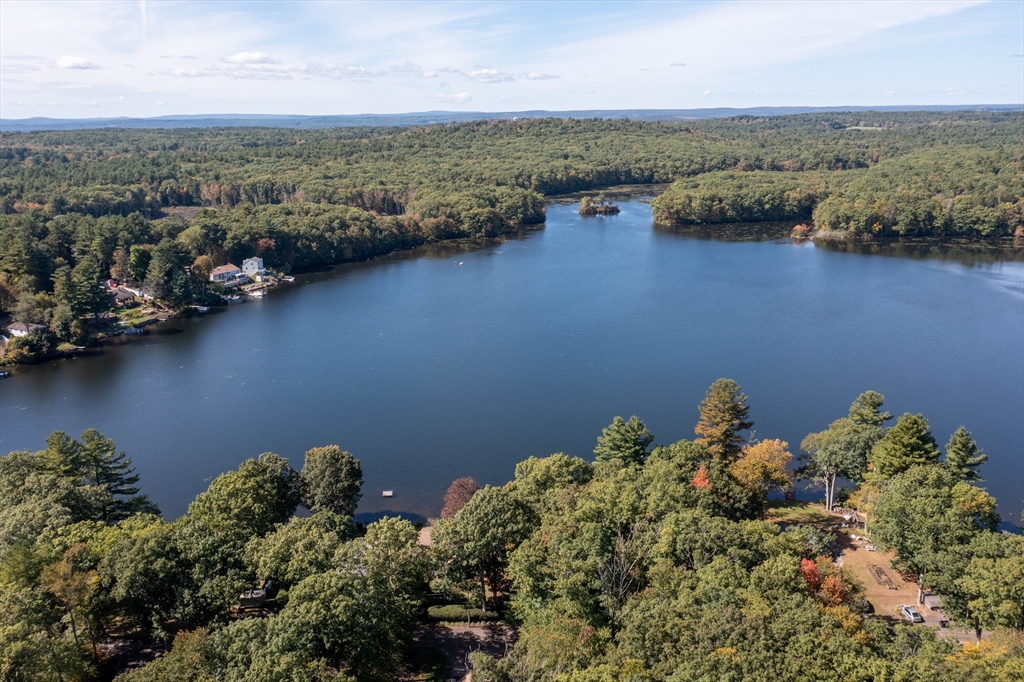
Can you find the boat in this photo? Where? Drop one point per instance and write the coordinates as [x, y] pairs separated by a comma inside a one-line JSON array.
[[201, 308], [388, 493], [4, 374], [233, 298], [288, 278], [258, 293]]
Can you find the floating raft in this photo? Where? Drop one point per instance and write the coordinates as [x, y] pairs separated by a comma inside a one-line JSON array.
[[388, 493]]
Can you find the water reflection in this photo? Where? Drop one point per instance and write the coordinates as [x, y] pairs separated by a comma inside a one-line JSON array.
[[966, 253]]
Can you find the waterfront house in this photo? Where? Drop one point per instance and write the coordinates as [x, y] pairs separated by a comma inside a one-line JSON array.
[[24, 328], [252, 267], [229, 275], [123, 297]]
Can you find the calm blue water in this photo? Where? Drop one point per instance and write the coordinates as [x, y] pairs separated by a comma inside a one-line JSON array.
[[449, 364]]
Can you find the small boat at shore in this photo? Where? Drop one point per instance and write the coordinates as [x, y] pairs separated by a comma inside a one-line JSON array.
[[288, 278], [233, 298], [4, 374], [258, 293], [201, 308]]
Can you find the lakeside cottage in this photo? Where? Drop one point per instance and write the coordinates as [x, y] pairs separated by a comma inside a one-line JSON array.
[[24, 328], [229, 275], [123, 298], [252, 267]]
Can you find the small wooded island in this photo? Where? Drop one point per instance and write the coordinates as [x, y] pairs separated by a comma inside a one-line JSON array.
[[597, 206]]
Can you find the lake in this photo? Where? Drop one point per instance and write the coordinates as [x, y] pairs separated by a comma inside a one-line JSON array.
[[452, 362]]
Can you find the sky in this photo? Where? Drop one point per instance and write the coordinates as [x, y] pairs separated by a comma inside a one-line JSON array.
[[154, 58]]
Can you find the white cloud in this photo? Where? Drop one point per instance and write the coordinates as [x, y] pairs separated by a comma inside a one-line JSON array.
[[460, 98], [72, 62], [538, 76], [707, 92], [250, 58], [677, 64], [415, 69], [487, 75]]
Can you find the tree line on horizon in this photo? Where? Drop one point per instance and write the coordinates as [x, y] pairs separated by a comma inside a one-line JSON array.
[[650, 562]]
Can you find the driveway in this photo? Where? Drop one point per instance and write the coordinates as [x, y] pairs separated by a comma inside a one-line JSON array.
[[459, 641]]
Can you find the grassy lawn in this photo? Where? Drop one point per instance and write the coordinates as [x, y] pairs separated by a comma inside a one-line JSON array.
[[794, 511], [134, 316]]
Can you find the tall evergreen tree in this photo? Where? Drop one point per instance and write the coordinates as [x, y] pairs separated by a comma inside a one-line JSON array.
[[963, 456], [112, 472], [865, 410], [90, 295], [907, 444], [64, 288], [626, 441], [63, 456], [723, 414]]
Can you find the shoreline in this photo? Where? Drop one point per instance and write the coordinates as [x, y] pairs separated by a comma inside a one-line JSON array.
[[915, 246]]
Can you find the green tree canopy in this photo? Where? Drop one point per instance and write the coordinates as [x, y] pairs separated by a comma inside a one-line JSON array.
[[963, 456], [907, 444], [841, 450], [260, 493], [866, 410], [332, 480], [624, 441], [723, 414]]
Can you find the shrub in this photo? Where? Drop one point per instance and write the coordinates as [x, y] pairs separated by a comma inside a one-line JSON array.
[[456, 613]]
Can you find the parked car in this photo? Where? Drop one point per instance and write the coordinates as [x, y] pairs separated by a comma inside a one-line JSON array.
[[911, 614]]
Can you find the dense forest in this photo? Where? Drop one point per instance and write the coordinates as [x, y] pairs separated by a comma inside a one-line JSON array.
[[160, 208], [648, 562]]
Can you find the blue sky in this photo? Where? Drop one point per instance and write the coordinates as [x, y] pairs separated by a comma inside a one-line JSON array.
[[88, 59]]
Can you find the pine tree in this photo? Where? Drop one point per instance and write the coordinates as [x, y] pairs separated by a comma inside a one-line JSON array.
[[963, 456], [112, 472], [723, 414], [63, 456], [865, 410], [626, 441], [907, 444], [90, 295]]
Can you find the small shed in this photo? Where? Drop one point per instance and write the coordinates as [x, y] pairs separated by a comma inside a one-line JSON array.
[[933, 602]]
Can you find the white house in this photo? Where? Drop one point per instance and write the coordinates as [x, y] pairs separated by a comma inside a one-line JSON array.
[[24, 328], [252, 267], [227, 275]]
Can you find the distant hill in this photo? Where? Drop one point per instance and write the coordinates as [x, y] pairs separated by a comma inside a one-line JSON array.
[[430, 117]]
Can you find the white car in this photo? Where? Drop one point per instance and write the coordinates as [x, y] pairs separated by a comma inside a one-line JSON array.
[[911, 614]]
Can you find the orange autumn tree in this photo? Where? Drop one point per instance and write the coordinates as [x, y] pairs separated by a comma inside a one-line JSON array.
[[763, 467], [701, 480]]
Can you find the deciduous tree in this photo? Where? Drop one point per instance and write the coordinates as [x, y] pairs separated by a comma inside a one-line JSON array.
[[459, 493], [332, 480]]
